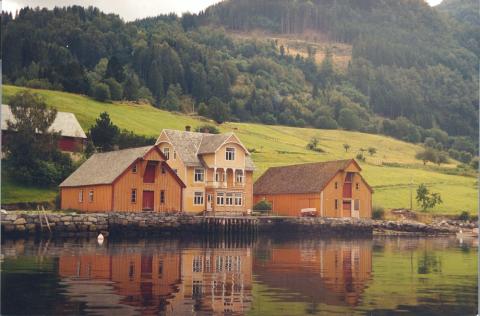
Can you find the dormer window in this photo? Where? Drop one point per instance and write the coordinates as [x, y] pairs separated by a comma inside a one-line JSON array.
[[166, 152], [230, 154]]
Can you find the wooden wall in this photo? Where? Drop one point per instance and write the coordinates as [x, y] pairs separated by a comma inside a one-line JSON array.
[[102, 198], [290, 204]]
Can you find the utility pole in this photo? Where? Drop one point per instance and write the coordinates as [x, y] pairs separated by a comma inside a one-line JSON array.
[[411, 193]]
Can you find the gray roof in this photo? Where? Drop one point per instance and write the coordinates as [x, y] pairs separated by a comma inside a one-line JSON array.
[[104, 168], [65, 123], [190, 145]]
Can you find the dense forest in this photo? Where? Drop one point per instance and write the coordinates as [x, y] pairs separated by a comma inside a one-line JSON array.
[[413, 73]]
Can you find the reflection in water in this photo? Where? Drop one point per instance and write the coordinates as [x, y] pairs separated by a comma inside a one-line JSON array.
[[263, 277], [332, 272]]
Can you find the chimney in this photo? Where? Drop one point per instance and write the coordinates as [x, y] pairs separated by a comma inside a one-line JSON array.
[[187, 128]]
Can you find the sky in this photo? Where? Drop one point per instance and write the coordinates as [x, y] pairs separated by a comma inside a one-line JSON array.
[[127, 9]]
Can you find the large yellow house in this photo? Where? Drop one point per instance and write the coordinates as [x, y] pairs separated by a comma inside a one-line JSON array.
[[217, 170]]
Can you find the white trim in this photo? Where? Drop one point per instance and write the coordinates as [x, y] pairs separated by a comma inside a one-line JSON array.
[[321, 203]]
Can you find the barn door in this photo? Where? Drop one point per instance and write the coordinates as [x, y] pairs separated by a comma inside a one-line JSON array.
[[148, 199]]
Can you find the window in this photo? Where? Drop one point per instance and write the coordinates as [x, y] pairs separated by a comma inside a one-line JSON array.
[[336, 185], [80, 196], [133, 196], [162, 197], [229, 199], [197, 264], [238, 199], [356, 205], [239, 176], [160, 269], [349, 177], [357, 186], [199, 173], [198, 198], [134, 168], [163, 170], [220, 200], [230, 154], [174, 155], [336, 204], [166, 152], [90, 196]]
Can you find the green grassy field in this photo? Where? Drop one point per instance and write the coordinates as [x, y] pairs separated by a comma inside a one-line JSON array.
[[280, 145]]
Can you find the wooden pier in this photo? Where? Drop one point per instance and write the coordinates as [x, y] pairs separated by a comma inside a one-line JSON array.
[[229, 225]]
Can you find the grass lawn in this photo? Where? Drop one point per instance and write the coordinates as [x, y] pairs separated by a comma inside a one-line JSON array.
[[280, 145], [14, 193]]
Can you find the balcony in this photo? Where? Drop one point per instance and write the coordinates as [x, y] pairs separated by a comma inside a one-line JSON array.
[[216, 184]]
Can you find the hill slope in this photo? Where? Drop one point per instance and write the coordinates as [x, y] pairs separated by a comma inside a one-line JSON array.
[[279, 145]]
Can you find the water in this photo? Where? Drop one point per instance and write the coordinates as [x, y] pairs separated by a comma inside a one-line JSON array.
[[266, 276]]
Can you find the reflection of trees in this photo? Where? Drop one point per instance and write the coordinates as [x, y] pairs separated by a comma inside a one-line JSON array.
[[312, 308], [429, 263]]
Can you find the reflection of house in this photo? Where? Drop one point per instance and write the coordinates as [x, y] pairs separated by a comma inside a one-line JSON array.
[[330, 189], [132, 179], [72, 136], [219, 280], [334, 273], [173, 283], [217, 169]]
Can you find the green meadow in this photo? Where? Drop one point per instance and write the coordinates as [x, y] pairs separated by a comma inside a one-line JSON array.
[[392, 172]]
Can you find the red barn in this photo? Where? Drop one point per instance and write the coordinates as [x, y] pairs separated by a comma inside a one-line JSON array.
[[72, 136]]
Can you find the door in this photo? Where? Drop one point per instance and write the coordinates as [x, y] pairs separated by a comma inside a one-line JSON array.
[[149, 176], [347, 208], [209, 202], [148, 199]]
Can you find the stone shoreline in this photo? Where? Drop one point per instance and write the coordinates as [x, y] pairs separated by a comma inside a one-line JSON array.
[[158, 223]]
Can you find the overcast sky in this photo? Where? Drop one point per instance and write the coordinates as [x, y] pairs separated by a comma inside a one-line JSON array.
[[128, 9]]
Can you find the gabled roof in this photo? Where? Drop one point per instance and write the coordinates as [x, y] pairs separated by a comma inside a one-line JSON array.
[[65, 123], [105, 168], [297, 179], [191, 145]]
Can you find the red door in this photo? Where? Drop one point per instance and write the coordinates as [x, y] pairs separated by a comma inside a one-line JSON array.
[[148, 197], [149, 176], [347, 190]]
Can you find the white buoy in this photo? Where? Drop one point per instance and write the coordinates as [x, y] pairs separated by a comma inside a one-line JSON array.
[[100, 239]]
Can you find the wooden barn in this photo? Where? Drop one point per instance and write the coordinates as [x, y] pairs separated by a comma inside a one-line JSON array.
[[329, 189], [132, 180], [72, 136]]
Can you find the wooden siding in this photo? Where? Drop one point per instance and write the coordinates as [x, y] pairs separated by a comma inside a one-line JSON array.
[[290, 204], [324, 202], [117, 196], [102, 198], [163, 182]]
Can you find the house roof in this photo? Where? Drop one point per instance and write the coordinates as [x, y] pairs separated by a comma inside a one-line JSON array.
[[297, 179], [65, 123], [191, 145], [104, 168]]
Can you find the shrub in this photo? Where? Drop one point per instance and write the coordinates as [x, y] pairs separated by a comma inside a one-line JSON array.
[[207, 128], [378, 212], [116, 89], [474, 163], [325, 122], [360, 157], [464, 216], [263, 205]]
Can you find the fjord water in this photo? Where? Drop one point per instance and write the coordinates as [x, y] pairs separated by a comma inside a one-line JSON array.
[[261, 276]]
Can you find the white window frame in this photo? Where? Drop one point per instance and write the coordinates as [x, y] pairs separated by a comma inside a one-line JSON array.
[[134, 168], [174, 155], [90, 196], [229, 199], [133, 196], [198, 198], [200, 174], [230, 153], [220, 198], [166, 152], [238, 199], [80, 196], [239, 176]]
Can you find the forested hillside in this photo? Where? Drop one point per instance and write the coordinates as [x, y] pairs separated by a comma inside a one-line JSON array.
[[413, 73]]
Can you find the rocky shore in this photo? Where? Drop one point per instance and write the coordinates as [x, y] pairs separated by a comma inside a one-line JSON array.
[[19, 223]]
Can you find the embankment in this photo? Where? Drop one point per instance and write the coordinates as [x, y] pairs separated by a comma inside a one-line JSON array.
[[157, 223]]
